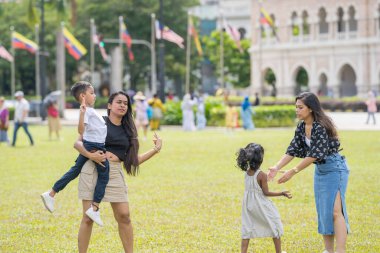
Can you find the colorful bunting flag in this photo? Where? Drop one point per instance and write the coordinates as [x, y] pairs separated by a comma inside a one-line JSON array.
[[21, 42], [193, 32], [74, 47], [126, 37], [168, 34], [5, 54]]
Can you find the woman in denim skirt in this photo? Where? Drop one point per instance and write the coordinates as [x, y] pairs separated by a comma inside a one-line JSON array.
[[316, 141]]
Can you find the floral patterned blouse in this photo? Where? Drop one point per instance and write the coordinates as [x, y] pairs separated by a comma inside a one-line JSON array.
[[321, 145]]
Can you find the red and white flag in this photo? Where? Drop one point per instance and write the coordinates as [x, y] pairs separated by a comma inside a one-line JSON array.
[[168, 34], [5, 54], [234, 34]]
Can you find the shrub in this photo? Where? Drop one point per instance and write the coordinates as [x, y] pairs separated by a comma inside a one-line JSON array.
[[172, 114]]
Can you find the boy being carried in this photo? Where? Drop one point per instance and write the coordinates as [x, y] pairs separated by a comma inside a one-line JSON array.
[[93, 130]]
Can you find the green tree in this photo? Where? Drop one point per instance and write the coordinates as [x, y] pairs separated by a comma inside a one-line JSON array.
[[236, 63]]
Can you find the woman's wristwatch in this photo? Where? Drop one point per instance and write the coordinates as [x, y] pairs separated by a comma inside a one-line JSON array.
[[296, 170]]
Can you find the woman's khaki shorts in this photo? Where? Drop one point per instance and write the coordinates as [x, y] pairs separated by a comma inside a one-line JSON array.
[[116, 190]]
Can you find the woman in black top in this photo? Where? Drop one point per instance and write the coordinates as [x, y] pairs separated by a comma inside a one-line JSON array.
[[122, 151], [316, 141]]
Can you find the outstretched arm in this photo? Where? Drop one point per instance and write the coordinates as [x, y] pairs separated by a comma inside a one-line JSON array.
[[280, 164], [155, 150], [290, 173], [264, 186]]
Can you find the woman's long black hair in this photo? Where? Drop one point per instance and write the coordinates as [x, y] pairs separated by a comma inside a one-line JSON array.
[[131, 161], [250, 157], [312, 102]]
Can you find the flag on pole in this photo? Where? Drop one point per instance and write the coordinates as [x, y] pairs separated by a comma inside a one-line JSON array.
[[265, 18], [5, 54], [98, 40], [168, 34], [193, 32], [126, 37], [21, 42], [74, 47], [234, 34]]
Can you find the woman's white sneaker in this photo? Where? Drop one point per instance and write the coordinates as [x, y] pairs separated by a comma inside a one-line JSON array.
[[48, 201], [95, 216]]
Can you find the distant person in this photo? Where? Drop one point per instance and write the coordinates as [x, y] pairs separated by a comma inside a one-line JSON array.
[[246, 114], [201, 111], [141, 118], [316, 141], [232, 117], [4, 121], [188, 113], [54, 123], [259, 216], [21, 112], [93, 129], [371, 107], [257, 99], [158, 112]]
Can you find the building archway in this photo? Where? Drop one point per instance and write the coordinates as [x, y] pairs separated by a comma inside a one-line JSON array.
[[347, 77], [270, 82], [322, 88], [301, 80]]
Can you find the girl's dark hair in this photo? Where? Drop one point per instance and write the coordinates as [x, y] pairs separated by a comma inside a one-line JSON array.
[[79, 88], [250, 157], [312, 102], [131, 161]]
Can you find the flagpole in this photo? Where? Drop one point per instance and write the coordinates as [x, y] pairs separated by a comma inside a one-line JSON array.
[[61, 68], [92, 49], [161, 55], [13, 86], [121, 20], [188, 48], [221, 51], [38, 92], [153, 55]]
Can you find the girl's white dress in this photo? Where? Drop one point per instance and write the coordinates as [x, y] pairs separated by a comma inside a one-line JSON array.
[[260, 217]]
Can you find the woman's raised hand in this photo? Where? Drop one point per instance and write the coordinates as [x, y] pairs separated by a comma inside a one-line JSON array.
[[157, 142]]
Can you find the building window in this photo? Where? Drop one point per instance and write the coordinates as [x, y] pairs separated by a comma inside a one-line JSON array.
[[340, 23], [305, 23], [352, 22], [295, 26], [323, 25]]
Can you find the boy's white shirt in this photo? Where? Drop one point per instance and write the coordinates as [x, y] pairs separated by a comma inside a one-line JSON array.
[[95, 128]]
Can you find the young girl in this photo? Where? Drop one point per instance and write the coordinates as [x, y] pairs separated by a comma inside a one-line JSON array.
[[260, 217]]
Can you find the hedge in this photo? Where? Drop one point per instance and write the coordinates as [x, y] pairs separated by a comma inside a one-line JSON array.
[[264, 116]]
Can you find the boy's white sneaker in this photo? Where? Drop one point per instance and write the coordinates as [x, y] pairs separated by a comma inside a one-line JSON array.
[[48, 201], [95, 216]]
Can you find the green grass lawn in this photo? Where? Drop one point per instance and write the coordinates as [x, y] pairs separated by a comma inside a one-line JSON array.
[[186, 199]]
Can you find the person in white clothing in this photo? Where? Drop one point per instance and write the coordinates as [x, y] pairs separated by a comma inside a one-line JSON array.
[[260, 217], [21, 112], [188, 113], [93, 129]]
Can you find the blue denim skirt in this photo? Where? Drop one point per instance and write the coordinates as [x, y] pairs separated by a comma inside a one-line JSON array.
[[329, 178]]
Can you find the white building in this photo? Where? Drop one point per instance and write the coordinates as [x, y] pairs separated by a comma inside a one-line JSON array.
[[336, 42]]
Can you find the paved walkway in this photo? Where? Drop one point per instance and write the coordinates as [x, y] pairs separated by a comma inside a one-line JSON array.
[[343, 120]]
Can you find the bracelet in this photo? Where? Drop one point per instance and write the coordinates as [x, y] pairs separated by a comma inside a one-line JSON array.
[[156, 149]]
